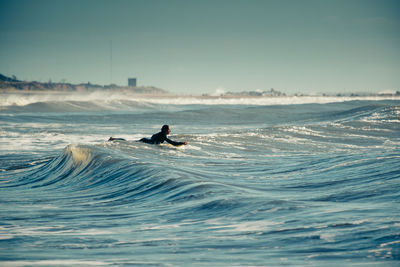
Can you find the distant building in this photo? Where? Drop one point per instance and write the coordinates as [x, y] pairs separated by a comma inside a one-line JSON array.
[[132, 82]]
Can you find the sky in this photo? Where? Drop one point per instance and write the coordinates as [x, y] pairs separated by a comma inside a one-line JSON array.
[[201, 46]]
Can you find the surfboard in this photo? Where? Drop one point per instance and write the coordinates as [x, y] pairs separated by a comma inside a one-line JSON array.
[[116, 139], [169, 145]]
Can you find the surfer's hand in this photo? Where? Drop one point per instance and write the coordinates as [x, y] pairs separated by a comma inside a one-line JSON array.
[[185, 143]]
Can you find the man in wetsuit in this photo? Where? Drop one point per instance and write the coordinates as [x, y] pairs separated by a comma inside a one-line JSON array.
[[160, 137]]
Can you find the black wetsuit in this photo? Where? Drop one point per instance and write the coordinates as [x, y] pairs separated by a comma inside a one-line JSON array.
[[159, 138]]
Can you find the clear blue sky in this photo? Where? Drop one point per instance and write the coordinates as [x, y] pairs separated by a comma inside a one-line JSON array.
[[198, 46]]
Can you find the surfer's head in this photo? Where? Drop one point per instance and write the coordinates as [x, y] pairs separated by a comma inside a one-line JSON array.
[[165, 129]]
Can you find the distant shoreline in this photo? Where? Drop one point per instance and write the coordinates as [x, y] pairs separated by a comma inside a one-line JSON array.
[[8, 84], [143, 94], [13, 86]]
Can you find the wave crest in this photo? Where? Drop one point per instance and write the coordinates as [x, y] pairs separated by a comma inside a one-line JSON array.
[[104, 100]]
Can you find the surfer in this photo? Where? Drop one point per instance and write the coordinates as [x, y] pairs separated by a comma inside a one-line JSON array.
[[160, 137], [157, 138]]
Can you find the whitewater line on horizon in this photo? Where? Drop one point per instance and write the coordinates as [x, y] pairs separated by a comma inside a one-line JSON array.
[[104, 98]]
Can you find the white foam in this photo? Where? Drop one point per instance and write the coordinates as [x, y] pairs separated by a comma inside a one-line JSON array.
[[302, 130], [56, 230], [160, 227], [328, 237], [111, 100], [55, 263], [284, 100], [389, 243], [37, 139], [6, 236], [251, 226]]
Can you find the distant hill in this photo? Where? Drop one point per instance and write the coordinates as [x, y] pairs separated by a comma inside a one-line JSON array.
[[7, 83], [7, 79]]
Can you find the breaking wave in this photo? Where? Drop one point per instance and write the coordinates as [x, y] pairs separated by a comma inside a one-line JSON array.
[[314, 184]]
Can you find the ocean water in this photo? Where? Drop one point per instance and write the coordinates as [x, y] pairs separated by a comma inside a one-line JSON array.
[[312, 181]]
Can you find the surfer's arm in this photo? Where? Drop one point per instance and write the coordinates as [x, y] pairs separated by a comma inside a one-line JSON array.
[[175, 143]]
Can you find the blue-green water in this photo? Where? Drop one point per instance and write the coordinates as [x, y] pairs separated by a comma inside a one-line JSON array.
[[258, 185]]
